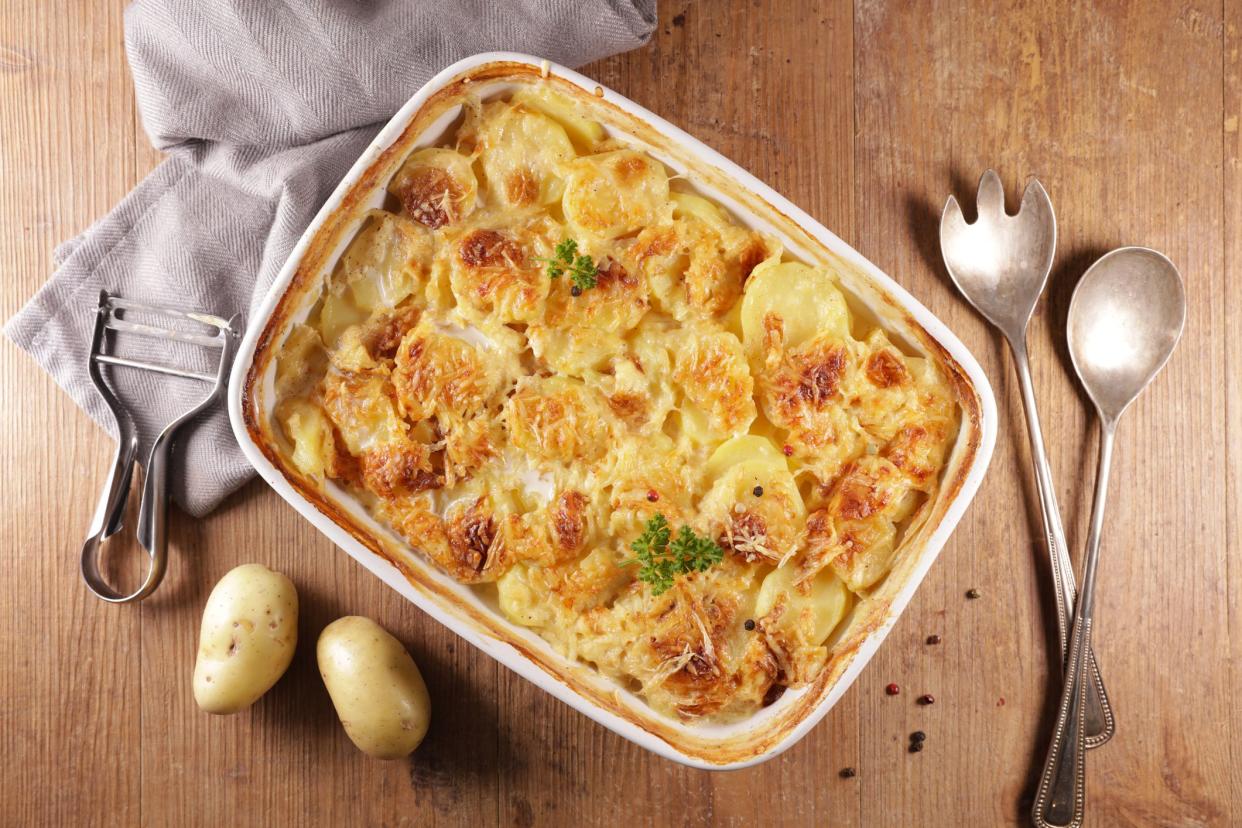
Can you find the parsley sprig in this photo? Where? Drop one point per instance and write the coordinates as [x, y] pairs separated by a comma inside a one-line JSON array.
[[663, 557], [580, 267]]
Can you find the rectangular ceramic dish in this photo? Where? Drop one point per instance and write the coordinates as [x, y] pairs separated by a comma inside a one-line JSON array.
[[423, 121]]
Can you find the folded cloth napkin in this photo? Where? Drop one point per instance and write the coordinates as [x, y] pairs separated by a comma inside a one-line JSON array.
[[262, 108]]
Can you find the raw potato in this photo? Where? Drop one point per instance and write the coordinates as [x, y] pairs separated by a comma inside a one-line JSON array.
[[375, 686], [250, 629]]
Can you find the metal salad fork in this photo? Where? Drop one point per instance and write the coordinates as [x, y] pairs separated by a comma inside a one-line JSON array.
[[1000, 263]]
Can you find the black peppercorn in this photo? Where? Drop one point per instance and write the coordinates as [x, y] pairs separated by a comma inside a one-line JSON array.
[[933, 639], [575, 291], [750, 624], [972, 593], [927, 698], [758, 491], [848, 773], [918, 736], [915, 747]]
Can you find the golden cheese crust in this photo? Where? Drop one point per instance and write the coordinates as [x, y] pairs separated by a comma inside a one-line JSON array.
[[520, 431]]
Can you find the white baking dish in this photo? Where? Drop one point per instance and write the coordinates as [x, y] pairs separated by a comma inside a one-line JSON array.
[[422, 121]]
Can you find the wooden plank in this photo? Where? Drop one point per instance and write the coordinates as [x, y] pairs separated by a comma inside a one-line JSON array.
[[1130, 152], [71, 719], [1230, 309]]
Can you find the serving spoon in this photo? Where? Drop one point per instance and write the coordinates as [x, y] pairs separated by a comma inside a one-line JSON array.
[[1000, 263], [1126, 316]]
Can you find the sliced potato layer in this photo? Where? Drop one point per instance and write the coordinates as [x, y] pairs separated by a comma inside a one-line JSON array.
[[549, 348]]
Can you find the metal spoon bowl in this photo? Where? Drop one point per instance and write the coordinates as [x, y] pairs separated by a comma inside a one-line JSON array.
[[1126, 317]]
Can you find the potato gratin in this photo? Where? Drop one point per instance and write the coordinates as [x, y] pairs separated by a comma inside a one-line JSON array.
[[522, 425]]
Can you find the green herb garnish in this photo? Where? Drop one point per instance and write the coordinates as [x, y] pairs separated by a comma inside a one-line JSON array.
[[664, 557], [580, 267]]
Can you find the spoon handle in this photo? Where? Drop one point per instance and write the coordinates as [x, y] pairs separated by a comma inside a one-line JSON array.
[[1061, 798], [1100, 724]]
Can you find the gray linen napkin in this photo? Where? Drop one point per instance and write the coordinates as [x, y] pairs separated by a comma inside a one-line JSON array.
[[262, 107]]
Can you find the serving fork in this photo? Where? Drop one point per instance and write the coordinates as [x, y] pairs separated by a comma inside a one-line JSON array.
[[1000, 263]]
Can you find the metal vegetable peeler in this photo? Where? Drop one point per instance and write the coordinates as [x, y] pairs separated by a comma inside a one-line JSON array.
[[195, 328]]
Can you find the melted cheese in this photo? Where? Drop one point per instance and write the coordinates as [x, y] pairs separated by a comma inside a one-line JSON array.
[[615, 193], [522, 153], [518, 434]]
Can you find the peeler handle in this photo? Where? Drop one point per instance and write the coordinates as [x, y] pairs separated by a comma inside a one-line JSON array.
[[110, 513], [108, 518], [153, 511], [107, 522]]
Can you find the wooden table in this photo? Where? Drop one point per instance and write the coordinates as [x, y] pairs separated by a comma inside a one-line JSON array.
[[868, 115]]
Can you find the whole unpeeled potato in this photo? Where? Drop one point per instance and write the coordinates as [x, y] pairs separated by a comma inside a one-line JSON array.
[[250, 629], [375, 686]]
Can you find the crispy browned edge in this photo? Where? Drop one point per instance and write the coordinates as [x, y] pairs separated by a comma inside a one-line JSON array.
[[872, 613]]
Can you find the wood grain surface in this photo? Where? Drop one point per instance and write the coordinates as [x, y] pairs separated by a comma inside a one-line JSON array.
[[867, 114]]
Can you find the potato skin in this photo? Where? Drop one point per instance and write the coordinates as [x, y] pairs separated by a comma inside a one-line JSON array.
[[375, 686], [249, 633]]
